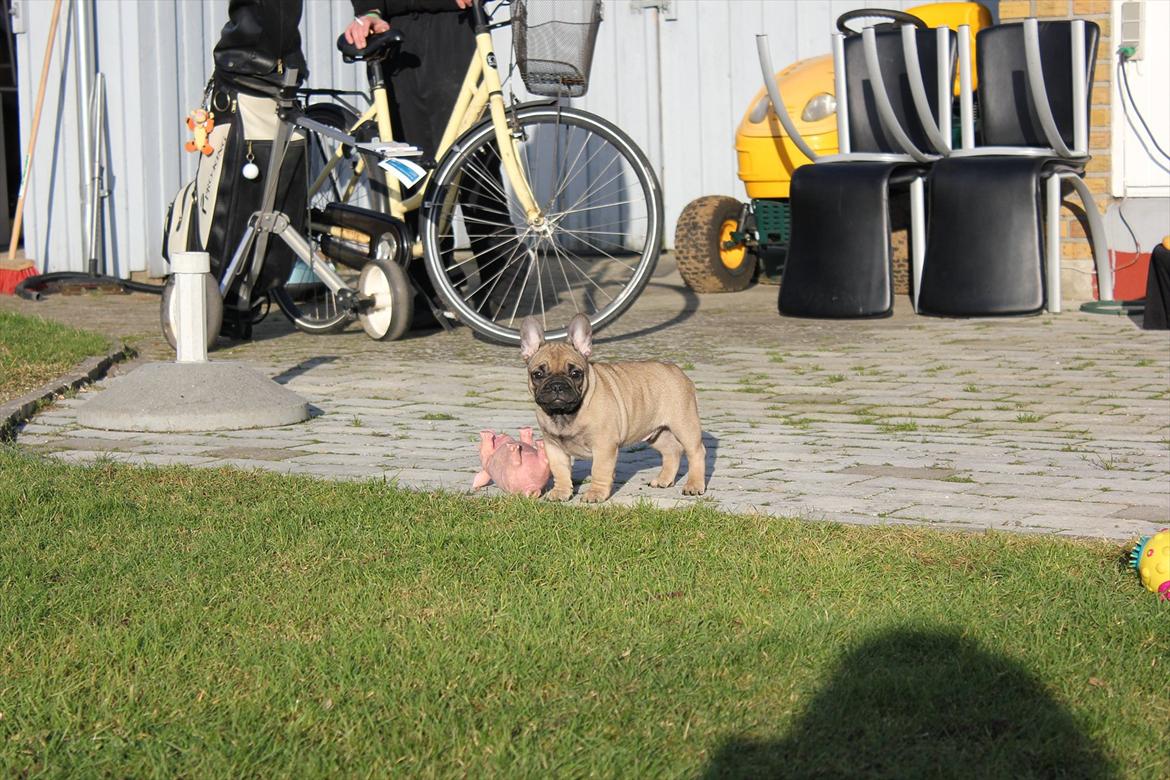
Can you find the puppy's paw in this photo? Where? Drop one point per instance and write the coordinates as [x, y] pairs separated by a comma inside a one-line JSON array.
[[659, 482], [694, 488], [595, 495], [559, 494]]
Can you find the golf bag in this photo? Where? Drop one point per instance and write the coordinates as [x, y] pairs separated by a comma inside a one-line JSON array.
[[211, 213]]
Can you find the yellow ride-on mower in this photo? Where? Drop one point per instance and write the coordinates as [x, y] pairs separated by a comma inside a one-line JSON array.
[[722, 244]]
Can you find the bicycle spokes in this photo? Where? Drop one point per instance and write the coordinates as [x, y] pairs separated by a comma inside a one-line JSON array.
[[592, 241]]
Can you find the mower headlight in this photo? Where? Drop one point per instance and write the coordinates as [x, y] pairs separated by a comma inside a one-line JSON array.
[[760, 110], [818, 107]]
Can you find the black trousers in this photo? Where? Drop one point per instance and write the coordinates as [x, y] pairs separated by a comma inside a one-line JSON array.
[[426, 76], [424, 81]]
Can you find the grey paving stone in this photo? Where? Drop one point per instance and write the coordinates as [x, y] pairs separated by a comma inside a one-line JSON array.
[[43, 428], [1157, 515], [165, 459]]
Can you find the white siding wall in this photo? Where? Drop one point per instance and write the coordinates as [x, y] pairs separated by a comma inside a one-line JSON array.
[[677, 86]]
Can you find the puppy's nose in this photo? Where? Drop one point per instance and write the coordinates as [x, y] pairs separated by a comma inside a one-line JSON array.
[[558, 385]]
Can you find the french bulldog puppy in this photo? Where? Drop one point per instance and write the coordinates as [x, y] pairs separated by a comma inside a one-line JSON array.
[[590, 410]]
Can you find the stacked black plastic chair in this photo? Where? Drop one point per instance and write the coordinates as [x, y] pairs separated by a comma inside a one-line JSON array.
[[992, 247], [894, 93]]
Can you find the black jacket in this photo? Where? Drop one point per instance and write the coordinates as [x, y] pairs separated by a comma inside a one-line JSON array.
[[391, 8], [260, 41]]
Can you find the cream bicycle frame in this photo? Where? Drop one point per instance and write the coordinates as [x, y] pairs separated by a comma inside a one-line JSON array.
[[481, 86]]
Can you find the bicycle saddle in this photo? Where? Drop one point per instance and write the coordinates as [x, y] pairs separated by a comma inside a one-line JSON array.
[[378, 47]]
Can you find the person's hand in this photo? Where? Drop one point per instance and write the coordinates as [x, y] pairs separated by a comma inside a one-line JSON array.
[[464, 4], [364, 26]]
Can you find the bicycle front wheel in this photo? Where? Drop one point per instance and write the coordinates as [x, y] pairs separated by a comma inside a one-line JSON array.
[[591, 249]]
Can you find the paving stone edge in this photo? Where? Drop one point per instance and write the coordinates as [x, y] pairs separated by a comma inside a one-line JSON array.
[[15, 413]]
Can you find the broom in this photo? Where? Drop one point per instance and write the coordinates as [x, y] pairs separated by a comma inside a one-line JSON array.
[[12, 272], [32, 144]]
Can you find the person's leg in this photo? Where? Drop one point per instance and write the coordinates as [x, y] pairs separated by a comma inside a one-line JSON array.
[[426, 77], [426, 83]]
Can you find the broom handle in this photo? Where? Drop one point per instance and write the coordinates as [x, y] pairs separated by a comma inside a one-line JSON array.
[[32, 142]]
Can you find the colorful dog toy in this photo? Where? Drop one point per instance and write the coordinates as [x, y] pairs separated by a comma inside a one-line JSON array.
[[200, 122], [515, 466], [1151, 559]]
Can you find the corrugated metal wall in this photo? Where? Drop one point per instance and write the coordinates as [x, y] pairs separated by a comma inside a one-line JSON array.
[[677, 81]]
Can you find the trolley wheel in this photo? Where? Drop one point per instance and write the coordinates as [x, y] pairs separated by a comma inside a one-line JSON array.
[[169, 313], [703, 262], [390, 315]]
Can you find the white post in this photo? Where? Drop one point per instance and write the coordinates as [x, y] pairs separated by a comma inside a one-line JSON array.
[[190, 269]]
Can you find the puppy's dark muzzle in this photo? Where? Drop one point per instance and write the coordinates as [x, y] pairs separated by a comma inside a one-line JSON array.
[[558, 396]]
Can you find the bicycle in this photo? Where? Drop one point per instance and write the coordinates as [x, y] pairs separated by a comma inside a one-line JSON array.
[[536, 208]]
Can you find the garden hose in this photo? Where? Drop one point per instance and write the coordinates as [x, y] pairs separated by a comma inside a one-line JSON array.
[[35, 287]]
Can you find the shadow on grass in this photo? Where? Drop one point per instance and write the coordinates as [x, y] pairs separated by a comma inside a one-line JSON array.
[[922, 704]]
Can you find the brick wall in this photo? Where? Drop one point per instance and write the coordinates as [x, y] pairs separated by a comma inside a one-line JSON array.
[[1076, 254]]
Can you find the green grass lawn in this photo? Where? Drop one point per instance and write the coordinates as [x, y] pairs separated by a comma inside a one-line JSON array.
[[34, 351], [197, 623]]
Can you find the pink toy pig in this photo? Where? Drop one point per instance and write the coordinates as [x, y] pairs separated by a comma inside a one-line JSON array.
[[515, 466]]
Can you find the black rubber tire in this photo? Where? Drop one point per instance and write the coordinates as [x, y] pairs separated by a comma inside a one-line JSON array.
[[532, 119], [697, 246], [310, 319], [401, 298]]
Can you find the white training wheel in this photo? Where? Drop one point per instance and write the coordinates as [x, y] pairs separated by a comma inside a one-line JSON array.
[[386, 284]]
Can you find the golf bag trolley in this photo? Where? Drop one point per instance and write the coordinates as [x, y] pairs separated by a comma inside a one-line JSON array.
[[253, 256]]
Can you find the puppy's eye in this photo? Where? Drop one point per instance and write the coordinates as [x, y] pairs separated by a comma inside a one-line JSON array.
[[538, 374], [575, 373]]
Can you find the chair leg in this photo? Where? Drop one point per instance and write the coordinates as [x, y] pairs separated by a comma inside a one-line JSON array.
[[1097, 237], [1052, 241], [917, 233]]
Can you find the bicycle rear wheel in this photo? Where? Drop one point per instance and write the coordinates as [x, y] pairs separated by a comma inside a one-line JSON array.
[[355, 179], [341, 175], [592, 250]]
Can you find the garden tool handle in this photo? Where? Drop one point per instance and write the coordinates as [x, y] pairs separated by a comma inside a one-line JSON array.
[[36, 122]]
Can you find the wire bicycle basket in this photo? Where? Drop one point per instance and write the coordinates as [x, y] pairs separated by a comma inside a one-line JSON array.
[[554, 44]]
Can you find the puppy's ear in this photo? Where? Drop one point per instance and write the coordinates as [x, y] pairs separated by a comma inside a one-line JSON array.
[[531, 337], [581, 334]]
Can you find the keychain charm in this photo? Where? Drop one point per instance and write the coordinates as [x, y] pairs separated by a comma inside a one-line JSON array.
[[200, 122], [250, 169]]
